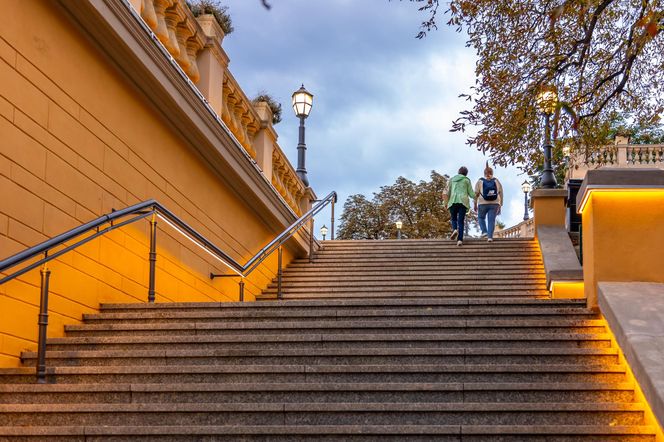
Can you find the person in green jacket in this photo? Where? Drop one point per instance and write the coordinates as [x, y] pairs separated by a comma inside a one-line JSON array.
[[458, 195]]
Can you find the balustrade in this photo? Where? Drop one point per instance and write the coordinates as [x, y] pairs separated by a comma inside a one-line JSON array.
[[286, 181], [185, 38], [525, 229], [618, 155]]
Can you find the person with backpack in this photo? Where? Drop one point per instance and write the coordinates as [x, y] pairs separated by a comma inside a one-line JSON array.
[[457, 196], [488, 201]]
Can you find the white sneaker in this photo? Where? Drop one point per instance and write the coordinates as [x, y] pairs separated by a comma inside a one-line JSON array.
[[489, 240], [454, 235], [459, 243]]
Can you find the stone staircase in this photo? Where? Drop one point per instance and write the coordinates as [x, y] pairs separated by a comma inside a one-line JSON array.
[[451, 355], [423, 268]]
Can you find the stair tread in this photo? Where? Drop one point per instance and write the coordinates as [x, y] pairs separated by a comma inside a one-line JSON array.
[[290, 430], [320, 386], [317, 406]]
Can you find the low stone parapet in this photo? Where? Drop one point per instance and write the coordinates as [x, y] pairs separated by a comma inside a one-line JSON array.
[[635, 314]]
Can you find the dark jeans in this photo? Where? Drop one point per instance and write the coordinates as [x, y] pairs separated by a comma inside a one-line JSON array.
[[458, 216], [486, 214]]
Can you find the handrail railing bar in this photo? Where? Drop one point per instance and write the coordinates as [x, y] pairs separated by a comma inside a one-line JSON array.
[[73, 233], [203, 247], [185, 228], [50, 257], [285, 235], [171, 219]]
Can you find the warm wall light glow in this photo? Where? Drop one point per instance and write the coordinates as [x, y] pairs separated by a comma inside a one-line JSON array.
[[616, 191], [176, 228], [639, 397], [566, 289]]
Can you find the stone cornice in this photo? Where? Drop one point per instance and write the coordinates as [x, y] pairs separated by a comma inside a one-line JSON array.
[[123, 37]]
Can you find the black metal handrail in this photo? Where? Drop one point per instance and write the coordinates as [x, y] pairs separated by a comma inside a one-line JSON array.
[[115, 220]]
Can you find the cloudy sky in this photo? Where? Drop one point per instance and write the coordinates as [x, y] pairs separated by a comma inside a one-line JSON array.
[[383, 100]]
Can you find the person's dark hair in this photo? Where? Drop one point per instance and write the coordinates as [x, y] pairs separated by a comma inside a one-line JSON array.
[[463, 170]]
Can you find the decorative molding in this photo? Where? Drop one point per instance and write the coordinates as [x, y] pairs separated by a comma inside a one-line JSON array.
[[125, 39]]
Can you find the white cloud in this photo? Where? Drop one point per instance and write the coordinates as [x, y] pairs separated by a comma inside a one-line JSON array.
[[384, 101]]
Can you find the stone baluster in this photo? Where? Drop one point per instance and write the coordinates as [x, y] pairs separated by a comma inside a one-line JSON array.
[[161, 30], [193, 47], [148, 13], [172, 20], [183, 33]]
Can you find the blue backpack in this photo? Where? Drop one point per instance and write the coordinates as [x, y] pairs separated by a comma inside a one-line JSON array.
[[489, 189]]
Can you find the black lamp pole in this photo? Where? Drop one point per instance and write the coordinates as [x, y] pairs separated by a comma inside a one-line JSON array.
[[301, 170], [302, 102], [548, 178], [526, 215]]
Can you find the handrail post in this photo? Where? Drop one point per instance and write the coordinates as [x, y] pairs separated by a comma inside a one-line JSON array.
[[279, 272], [43, 325], [241, 284], [311, 240], [332, 222], [153, 256]]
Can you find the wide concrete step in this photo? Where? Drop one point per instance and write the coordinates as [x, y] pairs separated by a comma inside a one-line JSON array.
[[326, 276], [421, 266], [280, 306], [417, 283], [365, 433], [292, 413], [329, 340], [341, 325], [541, 392], [470, 243], [398, 313], [443, 252], [441, 261], [339, 293], [553, 373], [334, 356]]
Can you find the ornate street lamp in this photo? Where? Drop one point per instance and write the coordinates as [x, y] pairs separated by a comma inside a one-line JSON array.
[[526, 187], [302, 101], [547, 100], [323, 231], [399, 225]]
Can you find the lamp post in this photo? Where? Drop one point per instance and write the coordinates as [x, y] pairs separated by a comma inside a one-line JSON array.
[[323, 231], [399, 225], [302, 101], [526, 187], [547, 100]]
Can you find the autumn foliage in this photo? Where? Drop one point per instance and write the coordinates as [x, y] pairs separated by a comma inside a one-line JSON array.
[[604, 57]]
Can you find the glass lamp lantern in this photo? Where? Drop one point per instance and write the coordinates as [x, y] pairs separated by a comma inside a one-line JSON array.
[[302, 102], [547, 99], [526, 187]]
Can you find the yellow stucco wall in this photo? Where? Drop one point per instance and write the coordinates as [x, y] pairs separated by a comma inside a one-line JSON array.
[[548, 210], [623, 238], [77, 141]]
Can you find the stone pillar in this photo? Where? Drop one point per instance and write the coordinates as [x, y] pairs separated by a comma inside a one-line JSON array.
[[621, 142], [265, 139], [548, 207], [212, 63], [623, 239]]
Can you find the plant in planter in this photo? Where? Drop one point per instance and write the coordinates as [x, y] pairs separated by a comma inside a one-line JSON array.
[[214, 7], [274, 105]]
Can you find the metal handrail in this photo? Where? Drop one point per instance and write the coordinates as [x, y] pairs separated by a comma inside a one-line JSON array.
[[149, 208]]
